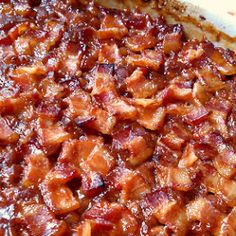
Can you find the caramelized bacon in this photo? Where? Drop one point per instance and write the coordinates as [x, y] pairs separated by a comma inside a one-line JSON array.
[[113, 123]]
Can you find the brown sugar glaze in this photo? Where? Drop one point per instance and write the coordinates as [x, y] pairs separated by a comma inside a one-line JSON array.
[[113, 123]]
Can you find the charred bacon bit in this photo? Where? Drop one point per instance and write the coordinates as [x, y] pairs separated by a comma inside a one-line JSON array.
[[112, 27]]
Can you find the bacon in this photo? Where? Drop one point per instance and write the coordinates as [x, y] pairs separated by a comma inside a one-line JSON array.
[[149, 58], [221, 185], [99, 160], [110, 218], [92, 184], [81, 107], [84, 229], [112, 27], [151, 117], [200, 93], [218, 59], [188, 158], [196, 210], [176, 92], [168, 210], [176, 178], [59, 199], [172, 141], [53, 136], [140, 42], [197, 116], [41, 221], [172, 42], [134, 187], [228, 225], [37, 168], [57, 196], [109, 54], [7, 134], [212, 80], [139, 86], [90, 154]]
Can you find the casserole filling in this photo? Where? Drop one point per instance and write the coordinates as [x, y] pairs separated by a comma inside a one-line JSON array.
[[113, 123]]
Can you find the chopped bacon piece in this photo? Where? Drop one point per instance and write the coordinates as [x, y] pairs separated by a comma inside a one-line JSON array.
[[176, 92], [139, 86], [220, 185], [151, 117], [134, 187], [168, 210], [84, 229], [196, 211], [140, 42], [172, 141], [200, 93], [111, 218], [59, 198], [229, 224], [176, 178], [218, 119], [188, 158], [53, 136], [139, 150], [112, 27], [159, 231], [109, 54], [92, 184], [225, 169], [197, 116], [89, 153], [212, 80], [98, 160], [40, 221], [37, 168], [121, 109], [218, 58], [172, 42], [134, 139], [149, 58], [7, 134]]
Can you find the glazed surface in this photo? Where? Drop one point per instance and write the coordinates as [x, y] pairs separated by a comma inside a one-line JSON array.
[[113, 123]]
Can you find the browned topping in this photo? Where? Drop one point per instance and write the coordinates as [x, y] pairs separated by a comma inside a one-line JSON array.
[[112, 123]]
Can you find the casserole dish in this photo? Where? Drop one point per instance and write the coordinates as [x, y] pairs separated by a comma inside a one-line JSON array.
[[115, 119]]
